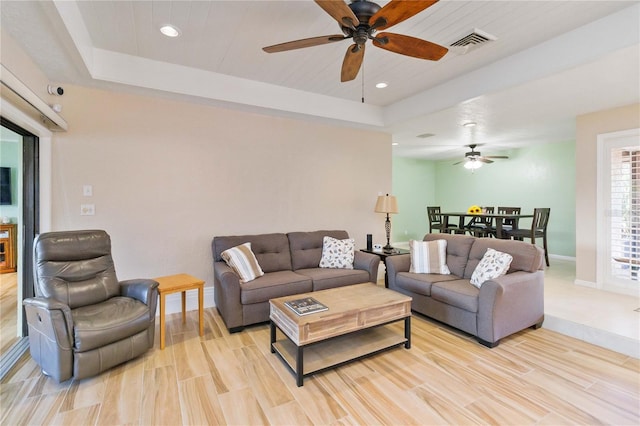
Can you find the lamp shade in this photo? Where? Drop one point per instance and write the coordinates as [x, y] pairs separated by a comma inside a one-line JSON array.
[[386, 204]]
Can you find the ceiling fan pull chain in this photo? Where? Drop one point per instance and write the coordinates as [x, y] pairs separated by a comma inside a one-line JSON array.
[[362, 81]]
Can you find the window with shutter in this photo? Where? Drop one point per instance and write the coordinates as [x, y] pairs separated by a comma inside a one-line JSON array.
[[625, 212], [619, 209]]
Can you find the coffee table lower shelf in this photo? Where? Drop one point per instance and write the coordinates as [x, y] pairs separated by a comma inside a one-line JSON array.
[[315, 357]]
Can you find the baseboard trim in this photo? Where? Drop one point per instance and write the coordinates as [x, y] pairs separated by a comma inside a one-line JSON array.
[[584, 283], [173, 301]]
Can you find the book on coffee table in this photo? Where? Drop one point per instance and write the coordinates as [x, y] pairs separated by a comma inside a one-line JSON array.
[[305, 306]]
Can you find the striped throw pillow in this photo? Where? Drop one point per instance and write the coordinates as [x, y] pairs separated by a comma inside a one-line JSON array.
[[429, 257], [242, 260]]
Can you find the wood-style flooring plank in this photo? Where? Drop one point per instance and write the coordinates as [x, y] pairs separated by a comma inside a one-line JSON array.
[[535, 377]]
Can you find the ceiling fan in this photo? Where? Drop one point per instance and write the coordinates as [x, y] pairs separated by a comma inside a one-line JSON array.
[[473, 159], [360, 21]]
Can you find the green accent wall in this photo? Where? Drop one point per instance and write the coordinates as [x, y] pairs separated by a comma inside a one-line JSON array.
[[414, 185], [535, 176]]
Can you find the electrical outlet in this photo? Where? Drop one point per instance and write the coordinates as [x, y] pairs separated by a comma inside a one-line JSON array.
[[87, 190], [87, 209]]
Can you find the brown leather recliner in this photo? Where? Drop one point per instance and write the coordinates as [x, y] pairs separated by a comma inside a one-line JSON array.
[[83, 321]]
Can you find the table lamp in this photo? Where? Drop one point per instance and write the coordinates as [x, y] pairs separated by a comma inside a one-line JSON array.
[[387, 204]]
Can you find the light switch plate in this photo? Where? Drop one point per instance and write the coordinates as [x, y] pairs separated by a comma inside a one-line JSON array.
[[87, 209], [87, 190]]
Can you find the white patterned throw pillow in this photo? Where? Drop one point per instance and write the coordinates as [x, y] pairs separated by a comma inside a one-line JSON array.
[[242, 260], [337, 254], [429, 257], [494, 263]]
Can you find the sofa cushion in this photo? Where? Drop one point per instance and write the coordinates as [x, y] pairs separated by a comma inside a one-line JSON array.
[[306, 247], [242, 260], [100, 324], [459, 293], [337, 254], [429, 257], [324, 278], [458, 248], [420, 283], [271, 250], [494, 263], [526, 256], [272, 285]]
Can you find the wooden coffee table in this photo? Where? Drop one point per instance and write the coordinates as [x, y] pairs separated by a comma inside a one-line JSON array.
[[351, 329]]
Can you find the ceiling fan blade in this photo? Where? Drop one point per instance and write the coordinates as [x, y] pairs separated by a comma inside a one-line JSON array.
[[306, 42], [352, 62], [495, 156], [484, 160], [340, 12], [397, 11], [410, 46], [461, 161]]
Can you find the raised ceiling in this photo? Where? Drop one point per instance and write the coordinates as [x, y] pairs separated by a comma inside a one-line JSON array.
[[551, 60]]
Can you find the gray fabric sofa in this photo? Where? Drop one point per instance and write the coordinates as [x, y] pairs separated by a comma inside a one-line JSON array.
[[502, 306], [290, 263]]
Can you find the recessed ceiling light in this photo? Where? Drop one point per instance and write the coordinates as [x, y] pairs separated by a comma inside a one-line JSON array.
[[395, 144], [170, 31], [382, 85], [470, 124]]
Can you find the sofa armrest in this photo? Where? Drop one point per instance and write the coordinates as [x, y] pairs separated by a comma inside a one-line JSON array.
[[367, 262], [50, 336], [144, 290], [510, 303], [396, 264], [226, 285]]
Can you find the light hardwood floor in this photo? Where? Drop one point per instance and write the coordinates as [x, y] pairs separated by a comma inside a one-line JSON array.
[[8, 310], [533, 377]]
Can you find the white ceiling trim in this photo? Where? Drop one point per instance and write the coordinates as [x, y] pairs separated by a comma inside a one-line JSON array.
[[136, 71], [577, 47]]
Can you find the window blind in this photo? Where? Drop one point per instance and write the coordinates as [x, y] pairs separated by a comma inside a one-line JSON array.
[[625, 213]]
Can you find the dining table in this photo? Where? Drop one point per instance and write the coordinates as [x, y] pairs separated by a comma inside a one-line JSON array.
[[499, 219]]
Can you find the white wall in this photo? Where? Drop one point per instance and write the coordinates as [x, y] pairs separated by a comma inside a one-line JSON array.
[[168, 176]]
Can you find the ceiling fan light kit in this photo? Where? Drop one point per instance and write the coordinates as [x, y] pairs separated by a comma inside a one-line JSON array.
[[474, 159], [360, 21]]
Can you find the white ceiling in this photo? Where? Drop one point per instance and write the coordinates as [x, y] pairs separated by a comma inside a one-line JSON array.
[[552, 60]]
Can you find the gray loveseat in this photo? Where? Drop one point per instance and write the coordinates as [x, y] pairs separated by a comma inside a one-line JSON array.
[[290, 263], [502, 306]]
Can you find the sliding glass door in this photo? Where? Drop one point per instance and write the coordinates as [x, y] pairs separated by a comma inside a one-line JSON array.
[[19, 219]]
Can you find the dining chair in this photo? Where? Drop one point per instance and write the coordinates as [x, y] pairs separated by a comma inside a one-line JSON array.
[[482, 226], [435, 221], [508, 224], [538, 230]]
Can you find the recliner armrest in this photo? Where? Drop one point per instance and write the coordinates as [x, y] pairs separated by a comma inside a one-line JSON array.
[[140, 289], [52, 318]]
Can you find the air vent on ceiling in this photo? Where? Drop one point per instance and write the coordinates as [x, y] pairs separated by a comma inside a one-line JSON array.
[[425, 135], [471, 41]]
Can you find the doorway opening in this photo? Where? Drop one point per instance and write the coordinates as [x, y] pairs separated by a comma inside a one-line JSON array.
[[19, 223]]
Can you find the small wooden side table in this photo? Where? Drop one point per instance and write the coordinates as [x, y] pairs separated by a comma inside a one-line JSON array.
[[180, 283]]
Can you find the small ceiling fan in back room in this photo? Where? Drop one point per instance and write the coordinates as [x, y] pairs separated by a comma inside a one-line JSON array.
[[360, 21], [473, 159]]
